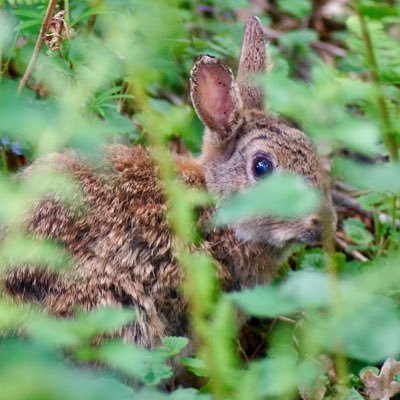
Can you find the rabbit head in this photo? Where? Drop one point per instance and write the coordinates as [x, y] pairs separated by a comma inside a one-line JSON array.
[[243, 143]]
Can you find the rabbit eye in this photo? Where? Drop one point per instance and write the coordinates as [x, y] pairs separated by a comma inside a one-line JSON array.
[[262, 166]]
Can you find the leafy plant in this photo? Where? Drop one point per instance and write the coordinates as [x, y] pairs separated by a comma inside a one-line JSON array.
[[121, 75]]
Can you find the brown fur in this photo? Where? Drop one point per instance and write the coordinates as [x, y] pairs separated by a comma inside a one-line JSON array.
[[253, 60], [122, 245]]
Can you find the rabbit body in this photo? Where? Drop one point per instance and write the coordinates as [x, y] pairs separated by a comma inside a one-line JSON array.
[[122, 245]]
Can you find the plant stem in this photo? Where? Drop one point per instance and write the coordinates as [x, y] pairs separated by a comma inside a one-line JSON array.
[[377, 227], [332, 269], [393, 226], [66, 7], [387, 130], [11, 51], [4, 160], [92, 19], [43, 30]]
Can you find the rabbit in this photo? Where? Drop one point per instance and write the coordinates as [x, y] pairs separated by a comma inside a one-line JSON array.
[[122, 245]]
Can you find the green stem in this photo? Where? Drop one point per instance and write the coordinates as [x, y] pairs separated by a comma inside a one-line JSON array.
[[378, 233], [66, 7], [183, 246], [92, 19], [10, 53], [43, 30], [4, 160], [333, 275], [393, 226], [387, 130]]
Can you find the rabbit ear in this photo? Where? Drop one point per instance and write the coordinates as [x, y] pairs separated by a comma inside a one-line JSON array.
[[215, 95], [253, 60]]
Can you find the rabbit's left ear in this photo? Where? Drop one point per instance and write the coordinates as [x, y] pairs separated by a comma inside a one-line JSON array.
[[215, 96], [253, 60]]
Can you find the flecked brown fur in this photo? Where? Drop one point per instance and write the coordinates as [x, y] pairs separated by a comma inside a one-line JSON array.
[[121, 243]]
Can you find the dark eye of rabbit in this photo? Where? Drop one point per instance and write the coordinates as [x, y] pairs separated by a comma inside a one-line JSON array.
[[262, 166]]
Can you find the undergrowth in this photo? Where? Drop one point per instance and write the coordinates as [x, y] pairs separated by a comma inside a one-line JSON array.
[[118, 72]]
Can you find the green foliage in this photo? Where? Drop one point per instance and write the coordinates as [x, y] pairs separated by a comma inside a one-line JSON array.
[[283, 192], [375, 178], [21, 2], [300, 9], [356, 231], [122, 77], [71, 333]]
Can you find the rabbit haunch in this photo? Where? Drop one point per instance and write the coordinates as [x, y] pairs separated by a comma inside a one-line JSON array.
[[123, 248], [122, 245]]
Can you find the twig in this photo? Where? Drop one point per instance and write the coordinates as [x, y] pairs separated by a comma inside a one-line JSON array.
[[287, 320], [354, 253], [329, 48], [345, 187], [341, 199], [45, 27], [241, 350]]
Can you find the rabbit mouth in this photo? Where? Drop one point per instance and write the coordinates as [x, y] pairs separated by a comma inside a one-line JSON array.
[[312, 236]]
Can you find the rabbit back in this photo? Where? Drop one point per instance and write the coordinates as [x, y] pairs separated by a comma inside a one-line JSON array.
[[122, 245]]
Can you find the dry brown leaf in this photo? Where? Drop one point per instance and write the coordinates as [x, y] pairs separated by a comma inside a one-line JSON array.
[[58, 31], [383, 386]]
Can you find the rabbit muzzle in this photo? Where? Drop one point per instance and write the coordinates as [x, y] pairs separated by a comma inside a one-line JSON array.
[[282, 233], [313, 231]]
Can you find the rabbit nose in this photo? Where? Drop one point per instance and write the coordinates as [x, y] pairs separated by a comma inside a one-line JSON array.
[[319, 229], [315, 222], [314, 231], [316, 225]]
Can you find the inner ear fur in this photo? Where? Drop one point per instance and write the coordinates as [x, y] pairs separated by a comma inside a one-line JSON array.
[[253, 60], [215, 95]]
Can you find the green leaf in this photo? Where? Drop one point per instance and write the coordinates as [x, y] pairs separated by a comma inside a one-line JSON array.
[[378, 178], [369, 331], [303, 289], [315, 259], [371, 201], [264, 301], [299, 37], [374, 10], [308, 289], [13, 316], [46, 377], [188, 394], [354, 395], [78, 331], [357, 232], [28, 24], [276, 376], [173, 345], [28, 13], [298, 8], [234, 4], [277, 195], [196, 365], [140, 363]]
